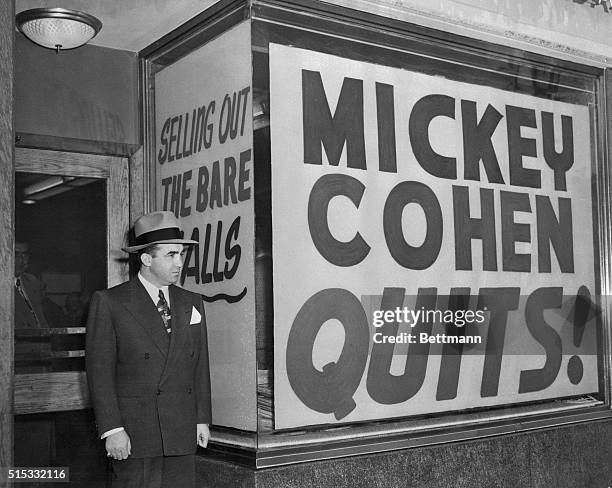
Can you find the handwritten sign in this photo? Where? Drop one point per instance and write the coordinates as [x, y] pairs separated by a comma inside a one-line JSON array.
[[204, 171]]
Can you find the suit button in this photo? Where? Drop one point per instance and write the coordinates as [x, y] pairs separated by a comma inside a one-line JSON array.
[[147, 355], [159, 391]]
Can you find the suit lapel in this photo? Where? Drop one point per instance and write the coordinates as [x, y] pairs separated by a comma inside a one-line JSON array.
[[140, 305]]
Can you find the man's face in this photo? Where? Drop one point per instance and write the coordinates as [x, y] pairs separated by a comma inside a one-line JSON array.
[[165, 265], [22, 257]]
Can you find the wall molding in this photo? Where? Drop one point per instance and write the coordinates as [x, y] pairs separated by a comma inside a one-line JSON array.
[[589, 52]]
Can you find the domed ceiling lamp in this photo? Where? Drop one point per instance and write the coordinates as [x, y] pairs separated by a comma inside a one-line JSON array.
[[58, 28]]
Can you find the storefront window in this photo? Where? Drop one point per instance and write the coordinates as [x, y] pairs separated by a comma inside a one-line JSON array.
[[406, 171], [425, 227]]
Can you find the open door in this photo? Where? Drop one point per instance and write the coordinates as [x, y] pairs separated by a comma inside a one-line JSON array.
[[71, 220]]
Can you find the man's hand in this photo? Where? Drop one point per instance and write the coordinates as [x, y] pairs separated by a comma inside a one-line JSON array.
[[118, 445], [203, 435]]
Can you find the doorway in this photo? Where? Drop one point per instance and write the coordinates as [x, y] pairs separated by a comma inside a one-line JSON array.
[[71, 219]]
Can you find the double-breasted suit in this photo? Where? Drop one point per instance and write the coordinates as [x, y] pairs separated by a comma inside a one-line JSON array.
[[154, 384]]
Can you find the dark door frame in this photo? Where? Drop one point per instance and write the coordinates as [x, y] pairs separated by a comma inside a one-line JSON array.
[[62, 391]]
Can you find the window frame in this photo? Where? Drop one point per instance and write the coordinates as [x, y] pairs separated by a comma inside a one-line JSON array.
[[333, 22]]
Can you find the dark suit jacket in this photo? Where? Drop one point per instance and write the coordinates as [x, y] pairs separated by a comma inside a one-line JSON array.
[[155, 386]]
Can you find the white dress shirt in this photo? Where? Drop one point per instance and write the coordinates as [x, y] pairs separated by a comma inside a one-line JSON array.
[[153, 290]]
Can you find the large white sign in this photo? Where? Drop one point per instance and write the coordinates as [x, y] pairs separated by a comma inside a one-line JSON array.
[[395, 192], [204, 157]]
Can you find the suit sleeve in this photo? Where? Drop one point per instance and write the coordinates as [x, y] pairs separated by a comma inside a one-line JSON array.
[[101, 355], [204, 410]]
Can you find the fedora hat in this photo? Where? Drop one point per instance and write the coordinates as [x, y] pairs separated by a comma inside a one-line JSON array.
[[157, 228]]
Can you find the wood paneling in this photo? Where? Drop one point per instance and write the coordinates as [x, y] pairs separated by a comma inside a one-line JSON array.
[[118, 208], [7, 204], [39, 141], [63, 163], [49, 332], [137, 185], [51, 392]]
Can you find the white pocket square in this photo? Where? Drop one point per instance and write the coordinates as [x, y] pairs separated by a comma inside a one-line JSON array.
[[196, 318]]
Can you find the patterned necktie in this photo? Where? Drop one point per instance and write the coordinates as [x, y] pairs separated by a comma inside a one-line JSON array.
[[164, 311]]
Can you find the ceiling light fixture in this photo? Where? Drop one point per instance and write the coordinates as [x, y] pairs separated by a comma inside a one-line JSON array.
[[58, 28], [46, 184]]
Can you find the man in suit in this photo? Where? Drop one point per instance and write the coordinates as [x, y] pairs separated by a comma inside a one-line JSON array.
[[147, 365], [29, 292]]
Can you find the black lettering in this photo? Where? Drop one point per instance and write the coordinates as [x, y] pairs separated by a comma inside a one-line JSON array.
[[166, 182], [161, 157], [236, 98], [336, 252], [178, 154], [244, 93], [206, 276], [197, 142], [225, 128], [450, 362], [346, 125], [423, 112], [540, 378], [202, 191], [192, 251], [207, 135], [384, 387], [218, 275], [175, 198], [330, 390], [185, 192], [215, 186], [187, 151], [512, 232], [405, 193], [172, 139], [561, 162], [518, 146], [244, 192], [477, 144], [385, 111], [229, 181], [468, 228], [555, 232], [498, 302], [232, 252]]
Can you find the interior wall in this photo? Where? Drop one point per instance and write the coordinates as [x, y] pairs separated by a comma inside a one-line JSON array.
[[89, 93]]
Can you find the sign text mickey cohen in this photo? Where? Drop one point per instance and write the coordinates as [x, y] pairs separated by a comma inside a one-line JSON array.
[[346, 126], [420, 188]]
